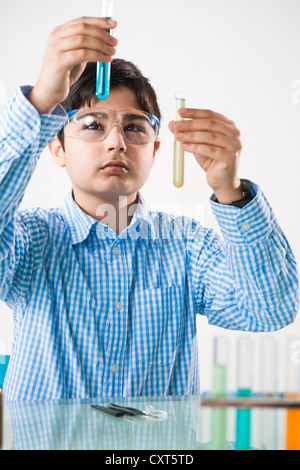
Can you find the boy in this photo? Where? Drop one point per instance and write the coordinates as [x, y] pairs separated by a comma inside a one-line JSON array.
[[104, 293]]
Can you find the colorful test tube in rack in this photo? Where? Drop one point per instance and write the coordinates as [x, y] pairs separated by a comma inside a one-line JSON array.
[[244, 389], [292, 364]]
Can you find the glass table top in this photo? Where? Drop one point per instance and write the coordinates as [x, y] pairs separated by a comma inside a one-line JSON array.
[[187, 425]]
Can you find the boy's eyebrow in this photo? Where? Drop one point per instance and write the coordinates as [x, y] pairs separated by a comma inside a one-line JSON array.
[[128, 116], [96, 113], [141, 117]]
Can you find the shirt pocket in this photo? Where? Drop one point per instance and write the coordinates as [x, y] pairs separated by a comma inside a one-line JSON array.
[[157, 320]]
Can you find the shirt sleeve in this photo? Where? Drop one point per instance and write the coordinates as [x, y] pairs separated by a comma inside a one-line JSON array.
[[248, 279], [23, 136]]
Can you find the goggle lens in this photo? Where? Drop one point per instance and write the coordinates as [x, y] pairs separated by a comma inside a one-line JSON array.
[[94, 125]]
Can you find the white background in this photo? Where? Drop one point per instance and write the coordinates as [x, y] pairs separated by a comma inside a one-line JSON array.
[[237, 57]]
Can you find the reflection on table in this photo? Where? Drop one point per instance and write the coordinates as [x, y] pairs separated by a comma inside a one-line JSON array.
[[73, 424]]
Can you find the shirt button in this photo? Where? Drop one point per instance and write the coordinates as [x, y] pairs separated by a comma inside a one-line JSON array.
[[26, 133], [245, 226], [119, 306], [116, 250], [114, 368]]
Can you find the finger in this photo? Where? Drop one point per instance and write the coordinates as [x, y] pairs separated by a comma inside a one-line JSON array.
[[195, 113], [83, 29], [88, 43], [70, 58], [208, 138], [212, 152], [171, 126], [208, 125], [103, 23]]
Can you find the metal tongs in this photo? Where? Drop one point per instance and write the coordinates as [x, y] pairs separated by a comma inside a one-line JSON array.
[[131, 411], [131, 414]]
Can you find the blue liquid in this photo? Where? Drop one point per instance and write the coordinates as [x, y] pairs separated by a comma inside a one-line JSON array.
[[4, 360], [103, 78], [243, 423]]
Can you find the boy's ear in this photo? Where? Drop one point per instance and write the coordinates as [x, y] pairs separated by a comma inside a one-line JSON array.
[[57, 152], [156, 146]]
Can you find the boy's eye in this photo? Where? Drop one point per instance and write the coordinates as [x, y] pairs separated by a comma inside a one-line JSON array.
[[133, 127], [95, 125], [89, 122]]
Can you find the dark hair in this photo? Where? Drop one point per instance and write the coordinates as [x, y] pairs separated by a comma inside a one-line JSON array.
[[123, 74]]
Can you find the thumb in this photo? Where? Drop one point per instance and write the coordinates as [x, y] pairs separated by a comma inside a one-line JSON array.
[[171, 126]]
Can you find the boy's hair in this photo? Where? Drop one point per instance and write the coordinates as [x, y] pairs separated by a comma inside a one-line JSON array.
[[123, 74]]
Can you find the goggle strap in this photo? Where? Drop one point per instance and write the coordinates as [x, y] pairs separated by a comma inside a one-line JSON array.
[[155, 119], [71, 113]]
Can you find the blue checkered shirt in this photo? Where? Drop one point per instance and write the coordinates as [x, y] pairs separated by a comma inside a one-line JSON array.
[[97, 314]]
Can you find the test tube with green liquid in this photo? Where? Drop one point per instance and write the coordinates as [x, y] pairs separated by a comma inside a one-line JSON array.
[[219, 390], [178, 159], [244, 389], [104, 68]]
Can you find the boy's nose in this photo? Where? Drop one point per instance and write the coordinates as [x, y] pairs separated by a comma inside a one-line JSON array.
[[115, 139]]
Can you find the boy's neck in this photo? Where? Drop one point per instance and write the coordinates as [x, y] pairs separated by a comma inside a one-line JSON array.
[[115, 212]]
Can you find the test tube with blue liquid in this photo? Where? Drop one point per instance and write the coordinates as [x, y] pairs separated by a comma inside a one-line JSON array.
[[219, 390], [104, 68], [268, 386], [244, 389]]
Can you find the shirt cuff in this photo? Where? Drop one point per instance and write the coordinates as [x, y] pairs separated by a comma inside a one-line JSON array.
[[58, 111], [21, 125], [247, 225]]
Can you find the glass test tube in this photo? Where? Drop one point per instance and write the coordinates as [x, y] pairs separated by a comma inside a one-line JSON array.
[[244, 366], [1, 419], [292, 364], [244, 389], [178, 158], [104, 68], [269, 375], [268, 366], [219, 390]]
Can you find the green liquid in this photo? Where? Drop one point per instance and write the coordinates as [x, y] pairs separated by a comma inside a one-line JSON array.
[[219, 423], [178, 159], [243, 423], [219, 381]]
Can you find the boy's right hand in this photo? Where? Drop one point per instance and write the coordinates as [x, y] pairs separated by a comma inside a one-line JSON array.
[[69, 48]]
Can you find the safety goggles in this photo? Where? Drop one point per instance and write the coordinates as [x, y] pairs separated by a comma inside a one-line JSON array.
[[95, 124]]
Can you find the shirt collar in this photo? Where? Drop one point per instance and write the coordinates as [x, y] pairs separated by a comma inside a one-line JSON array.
[[142, 213], [80, 223]]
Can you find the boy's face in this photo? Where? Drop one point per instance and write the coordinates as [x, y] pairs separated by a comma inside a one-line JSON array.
[[93, 181]]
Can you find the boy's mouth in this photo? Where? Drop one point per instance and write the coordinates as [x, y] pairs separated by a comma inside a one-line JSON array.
[[116, 167]]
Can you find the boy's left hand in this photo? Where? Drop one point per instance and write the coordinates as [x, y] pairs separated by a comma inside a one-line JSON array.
[[215, 142]]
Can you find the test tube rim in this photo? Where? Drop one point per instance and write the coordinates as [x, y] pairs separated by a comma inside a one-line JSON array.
[[180, 95], [107, 8]]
